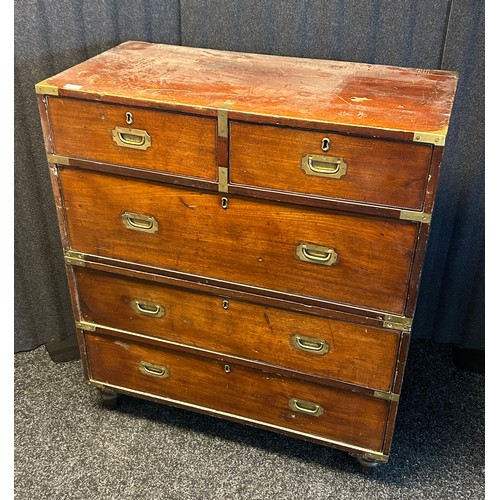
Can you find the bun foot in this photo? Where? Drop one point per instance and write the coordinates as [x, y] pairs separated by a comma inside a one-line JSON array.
[[365, 465], [109, 399]]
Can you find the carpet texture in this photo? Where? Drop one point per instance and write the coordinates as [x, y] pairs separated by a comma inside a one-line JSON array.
[[67, 446]]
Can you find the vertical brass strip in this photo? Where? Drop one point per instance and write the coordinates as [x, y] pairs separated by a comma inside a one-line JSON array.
[[223, 146], [222, 121], [223, 179]]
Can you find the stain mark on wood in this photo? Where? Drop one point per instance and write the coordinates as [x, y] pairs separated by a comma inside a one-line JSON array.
[[187, 205]]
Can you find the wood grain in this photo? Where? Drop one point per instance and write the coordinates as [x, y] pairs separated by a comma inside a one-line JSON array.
[[357, 354], [365, 96], [272, 299], [250, 242], [348, 417], [378, 171], [180, 144]]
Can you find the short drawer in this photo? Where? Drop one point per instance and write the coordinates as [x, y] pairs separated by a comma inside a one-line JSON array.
[[319, 346], [357, 260], [237, 391], [335, 166], [174, 143]]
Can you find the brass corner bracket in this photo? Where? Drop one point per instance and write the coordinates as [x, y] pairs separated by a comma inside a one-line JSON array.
[[44, 88], [437, 138], [57, 159], [415, 216], [74, 258], [388, 396], [84, 325], [396, 322]]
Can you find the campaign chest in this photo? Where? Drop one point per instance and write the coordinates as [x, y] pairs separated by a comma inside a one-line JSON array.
[[244, 234]]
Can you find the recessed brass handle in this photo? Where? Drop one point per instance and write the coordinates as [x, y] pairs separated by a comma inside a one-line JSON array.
[[153, 370], [140, 222], [307, 407], [309, 344], [332, 167], [148, 308], [316, 254], [131, 138]]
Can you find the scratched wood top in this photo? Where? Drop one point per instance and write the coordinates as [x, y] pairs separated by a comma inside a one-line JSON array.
[[307, 90]]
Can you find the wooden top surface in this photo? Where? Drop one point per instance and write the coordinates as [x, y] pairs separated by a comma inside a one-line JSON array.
[[306, 90]]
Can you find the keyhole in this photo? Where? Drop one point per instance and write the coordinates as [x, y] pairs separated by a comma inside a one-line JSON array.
[[129, 118], [224, 202], [225, 304], [325, 144], [227, 368]]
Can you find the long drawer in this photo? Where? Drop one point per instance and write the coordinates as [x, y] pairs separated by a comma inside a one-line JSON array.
[[237, 391], [174, 143], [311, 344], [331, 165], [350, 259]]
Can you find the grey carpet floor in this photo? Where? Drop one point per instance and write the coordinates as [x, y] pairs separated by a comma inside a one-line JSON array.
[[67, 446]]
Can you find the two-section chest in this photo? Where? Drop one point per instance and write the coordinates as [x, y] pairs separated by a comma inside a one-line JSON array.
[[244, 234]]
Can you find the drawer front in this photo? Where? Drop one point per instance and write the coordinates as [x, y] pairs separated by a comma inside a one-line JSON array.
[[266, 245], [311, 344], [156, 140], [359, 169], [292, 404]]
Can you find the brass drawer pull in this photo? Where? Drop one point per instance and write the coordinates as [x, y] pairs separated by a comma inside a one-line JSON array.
[[333, 167], [309, 344], [308, 252], [147, 308], [131, 138], [306, 407], [139, 222], [153, 370]]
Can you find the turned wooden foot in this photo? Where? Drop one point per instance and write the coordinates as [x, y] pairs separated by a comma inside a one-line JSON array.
[[109, 399], [365, 465]]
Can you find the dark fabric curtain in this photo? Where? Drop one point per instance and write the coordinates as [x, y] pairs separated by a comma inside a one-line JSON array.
[[449, 34]]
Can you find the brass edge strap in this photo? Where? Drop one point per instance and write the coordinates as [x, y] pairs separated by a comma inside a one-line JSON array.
[[388, 396], [415, 216], [223, 179], [222, 121], [74, 258], [85, 325], [397, 322], [376, 455], [60, 160], [437, 138], [44, 88], [223, 133]]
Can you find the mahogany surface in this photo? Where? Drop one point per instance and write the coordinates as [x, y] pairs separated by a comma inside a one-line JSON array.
[[347, 417], [357, 354], [180, 144], [378, 171], [250, 242], [354, 94]]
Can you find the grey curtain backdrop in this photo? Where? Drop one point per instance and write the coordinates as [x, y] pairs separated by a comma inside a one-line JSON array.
[[52, 35]]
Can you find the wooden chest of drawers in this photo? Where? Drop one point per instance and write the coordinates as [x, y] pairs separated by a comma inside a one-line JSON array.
[[244, 234]]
